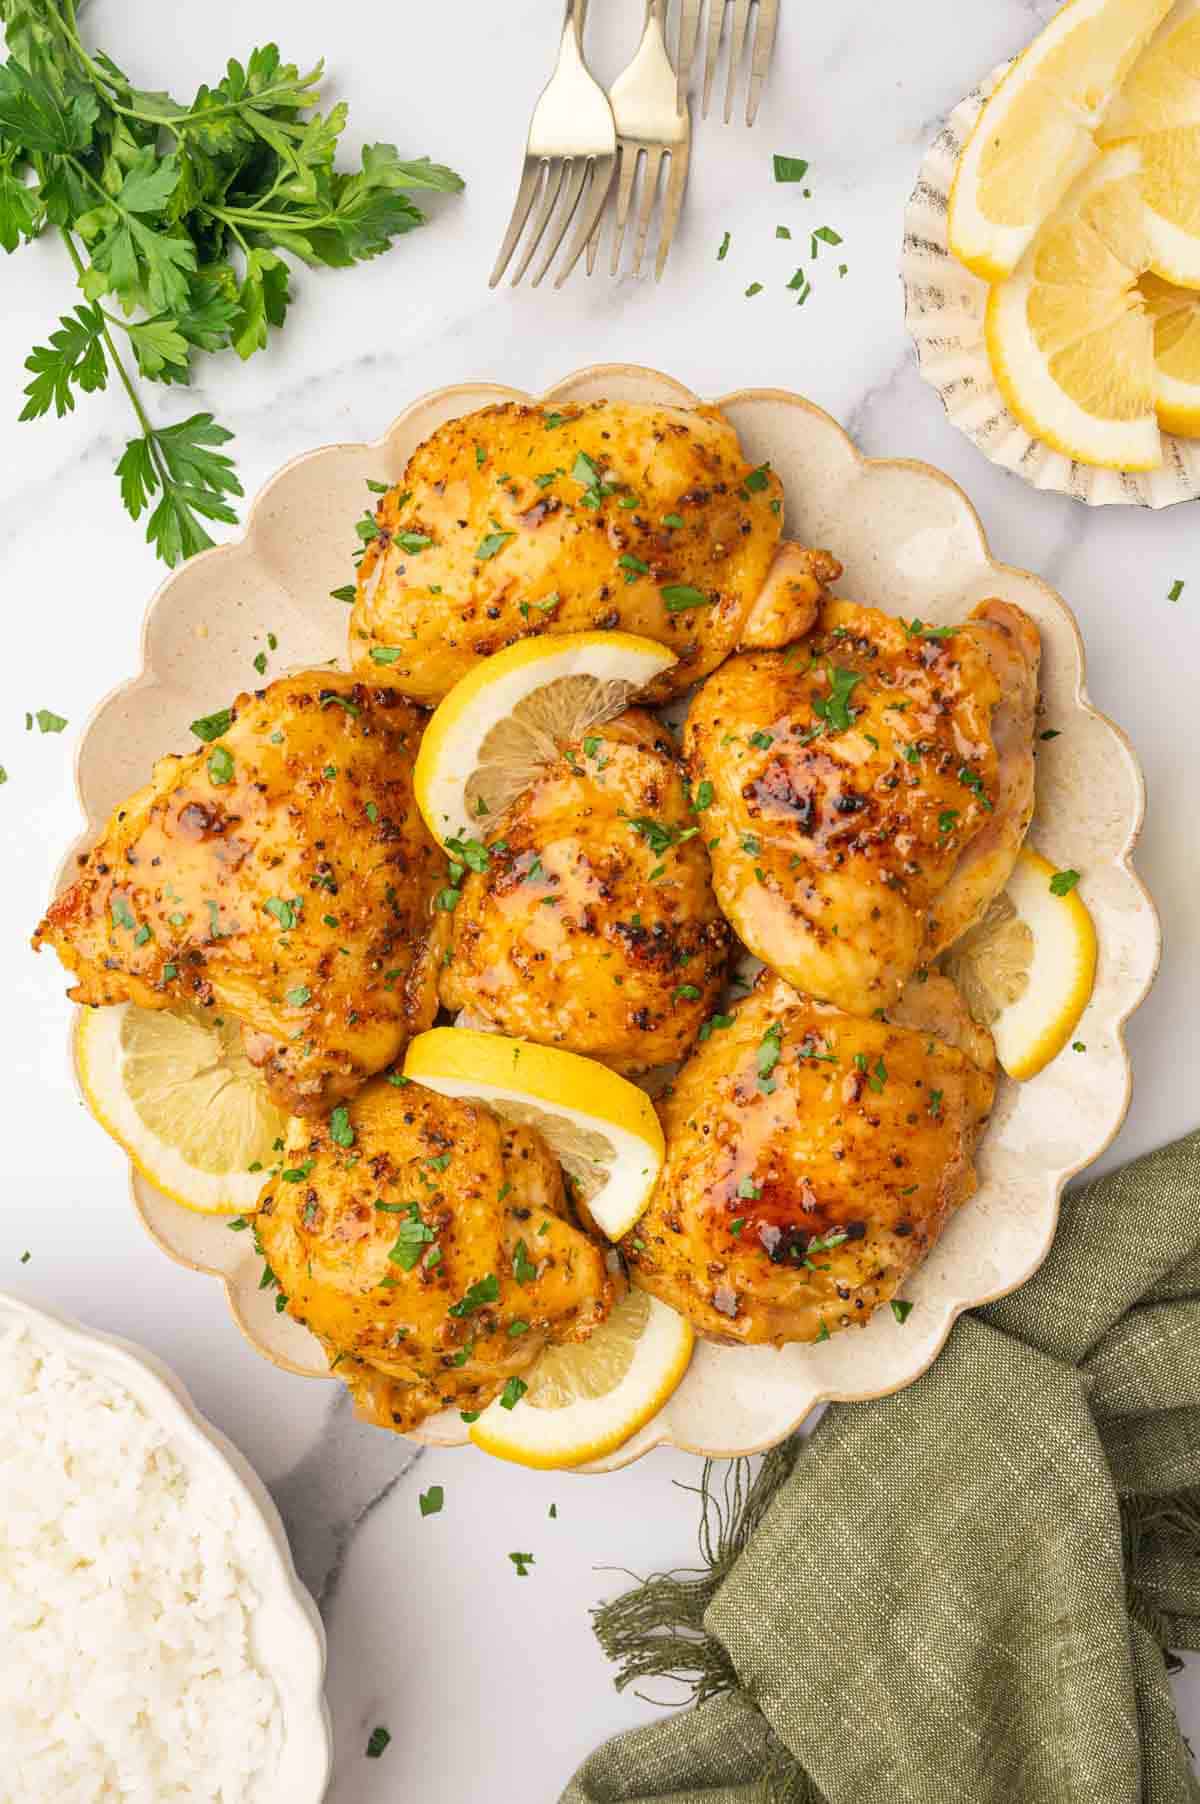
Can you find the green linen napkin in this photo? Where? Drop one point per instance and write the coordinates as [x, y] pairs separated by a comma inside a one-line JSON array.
[[961, 1594]]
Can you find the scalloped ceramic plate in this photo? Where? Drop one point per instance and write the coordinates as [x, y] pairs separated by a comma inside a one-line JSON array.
[[944, 306], [289, 1640], [911, 543]]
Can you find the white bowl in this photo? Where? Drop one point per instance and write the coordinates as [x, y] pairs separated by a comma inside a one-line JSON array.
[[911, 543], [288, 1636]]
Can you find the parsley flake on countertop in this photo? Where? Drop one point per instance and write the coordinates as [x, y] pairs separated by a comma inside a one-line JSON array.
[[48, 722], [1175, 591], [522, 1562], [377, 1742], [790, 169], [723, 252], [431, 1501], [754, 288]]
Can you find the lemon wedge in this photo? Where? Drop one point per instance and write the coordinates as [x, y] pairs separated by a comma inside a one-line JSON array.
[[1070, 340], [1028, 969], [1035, 135], [601, 1128], [585, 1400], [1175, 313], [1163, 87], [179, 1094], [506, 718]]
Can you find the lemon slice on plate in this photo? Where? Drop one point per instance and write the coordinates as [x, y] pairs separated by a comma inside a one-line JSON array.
[[505, 719], [1175, 313], [1163, 87], [1028, 969], [1035, 135], [601, 1128], [1159, 108], [182, 1098], [585, 1400], [1070, 341]]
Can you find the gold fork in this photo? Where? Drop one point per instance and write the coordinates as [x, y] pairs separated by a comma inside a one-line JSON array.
[[766, 22], [653, 128]]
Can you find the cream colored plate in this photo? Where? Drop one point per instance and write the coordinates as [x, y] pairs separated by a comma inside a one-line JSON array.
[[911, 543], [944, 306]]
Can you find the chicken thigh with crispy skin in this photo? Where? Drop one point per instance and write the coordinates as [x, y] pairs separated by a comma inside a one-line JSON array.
[[813, 1160], [282, 874], [592, 924], [870, 789], [430, 1250], [519, 520]]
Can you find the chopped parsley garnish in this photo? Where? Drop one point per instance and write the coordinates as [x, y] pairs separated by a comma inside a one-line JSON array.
[[491, 543], [762, 741], [901, 1309], [834, 709], [790, 169], [220, 765], [412, 1237], [749, 1189], [522, 1562], [212, 726], [346, 593], [757, 480], [972, 780], [714, 1024], [1175, 591], [736, 1226], [385, 654], [674, 521], [783, 231], [512, 1393], [340, 1131], [447, 900], [824, 235], [121, 915], [48, 722], [680, 597], [484, 1290], [917, 629], [524, 1270], [431, 1501], [686, 992], [284, 912], [822, 1331], [260, 662], [935, 1104], [471, 852], [723, 252], [702, 799], [947, 820], [768, 1053], [413, 542], [1063, 882], [754, 288], [633, 567], [377, 1742], [1050, 733]]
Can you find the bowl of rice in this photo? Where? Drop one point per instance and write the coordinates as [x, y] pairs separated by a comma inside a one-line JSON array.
[[156, 1645]]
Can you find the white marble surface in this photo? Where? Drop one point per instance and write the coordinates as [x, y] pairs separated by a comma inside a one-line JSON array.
[[491, 1685]]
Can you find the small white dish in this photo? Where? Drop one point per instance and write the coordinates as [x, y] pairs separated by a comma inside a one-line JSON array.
[[944, 307], [912, 544], [289, 1638]]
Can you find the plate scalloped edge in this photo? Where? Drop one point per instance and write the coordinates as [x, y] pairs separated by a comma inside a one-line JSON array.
[[915, 536], [295, 1620]]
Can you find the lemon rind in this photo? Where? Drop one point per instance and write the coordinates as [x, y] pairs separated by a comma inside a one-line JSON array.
[[1080, 932], [499, 1431]]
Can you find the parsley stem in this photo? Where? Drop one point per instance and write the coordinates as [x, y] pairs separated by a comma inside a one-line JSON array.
[[135, 400]]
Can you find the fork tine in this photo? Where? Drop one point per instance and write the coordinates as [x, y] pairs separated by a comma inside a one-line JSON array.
[[554, 180], [654, 163], [630, 156], [680, 157], [531, 177], [764, 44], [577, 170], [716, 15], [591, 215], [685, 51], [737, 43]]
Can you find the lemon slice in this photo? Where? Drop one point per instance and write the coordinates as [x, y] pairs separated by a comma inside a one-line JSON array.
[[1163, 88], [585, 1400], [506, 718], [1027, 970], [601, 1128], [1175, 313], [1070, 341], [182, 1098], [1035, 135]]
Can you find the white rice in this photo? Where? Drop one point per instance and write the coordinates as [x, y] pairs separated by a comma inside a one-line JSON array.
[[126, 1662]]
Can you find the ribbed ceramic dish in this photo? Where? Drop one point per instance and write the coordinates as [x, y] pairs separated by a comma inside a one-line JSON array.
[[288, 1637], [944, 307], [911, 543]]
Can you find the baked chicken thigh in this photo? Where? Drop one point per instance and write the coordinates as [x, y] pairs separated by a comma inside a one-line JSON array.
[[867, 791], [428, 1247], [812, 1161], [282, 874], [520, 520], [592, 923]]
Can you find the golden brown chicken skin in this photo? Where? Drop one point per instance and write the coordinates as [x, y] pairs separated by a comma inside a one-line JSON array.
[[281, 874], [429, 1248], [812, 1161], [593, 924], [847, 781], [520, 520]]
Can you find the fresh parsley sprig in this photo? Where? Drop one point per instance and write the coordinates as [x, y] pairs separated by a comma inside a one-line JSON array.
[[178, 221]]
